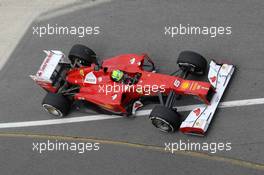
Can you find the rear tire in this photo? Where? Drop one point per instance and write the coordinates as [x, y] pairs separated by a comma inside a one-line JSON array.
[[165, 119], [193, 61], [56, 105], [84, 55]]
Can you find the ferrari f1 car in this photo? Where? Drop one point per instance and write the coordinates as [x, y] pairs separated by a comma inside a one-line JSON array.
[[119, 84]]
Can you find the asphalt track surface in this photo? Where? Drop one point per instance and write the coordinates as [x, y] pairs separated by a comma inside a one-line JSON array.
[[133, 146]]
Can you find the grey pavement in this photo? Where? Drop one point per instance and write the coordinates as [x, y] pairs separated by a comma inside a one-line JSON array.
[[16, 16], [136, 27]]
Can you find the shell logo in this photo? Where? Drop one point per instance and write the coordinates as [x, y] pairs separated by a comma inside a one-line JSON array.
[[81, 72], [185, 85]]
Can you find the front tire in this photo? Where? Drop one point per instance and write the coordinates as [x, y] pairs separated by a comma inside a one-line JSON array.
[[194, 62], [84, 55], [165, 119], [56, 105]]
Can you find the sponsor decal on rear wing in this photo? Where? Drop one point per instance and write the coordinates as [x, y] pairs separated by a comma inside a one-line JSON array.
[[48, 66]]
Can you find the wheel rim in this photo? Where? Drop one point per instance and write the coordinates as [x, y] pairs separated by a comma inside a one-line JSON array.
[[52, 110], [162, 124]]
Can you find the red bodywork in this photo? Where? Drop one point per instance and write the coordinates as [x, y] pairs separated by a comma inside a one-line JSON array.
[[130, 63]]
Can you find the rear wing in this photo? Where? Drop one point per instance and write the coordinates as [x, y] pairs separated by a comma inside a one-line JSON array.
[[44, 76]]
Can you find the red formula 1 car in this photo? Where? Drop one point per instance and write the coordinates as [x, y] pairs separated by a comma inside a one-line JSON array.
[[120, 84]]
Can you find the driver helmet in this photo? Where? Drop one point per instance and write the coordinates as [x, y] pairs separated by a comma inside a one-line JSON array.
[[117, 75]]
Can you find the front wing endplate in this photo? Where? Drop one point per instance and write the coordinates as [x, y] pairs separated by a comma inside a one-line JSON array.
[[198, 120]]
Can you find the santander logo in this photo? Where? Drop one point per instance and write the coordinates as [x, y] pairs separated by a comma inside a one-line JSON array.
[[44, 65]]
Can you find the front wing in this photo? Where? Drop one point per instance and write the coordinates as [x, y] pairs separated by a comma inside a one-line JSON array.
[[198, 120]]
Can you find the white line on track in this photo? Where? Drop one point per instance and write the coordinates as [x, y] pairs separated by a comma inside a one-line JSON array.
[[235, 103]]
